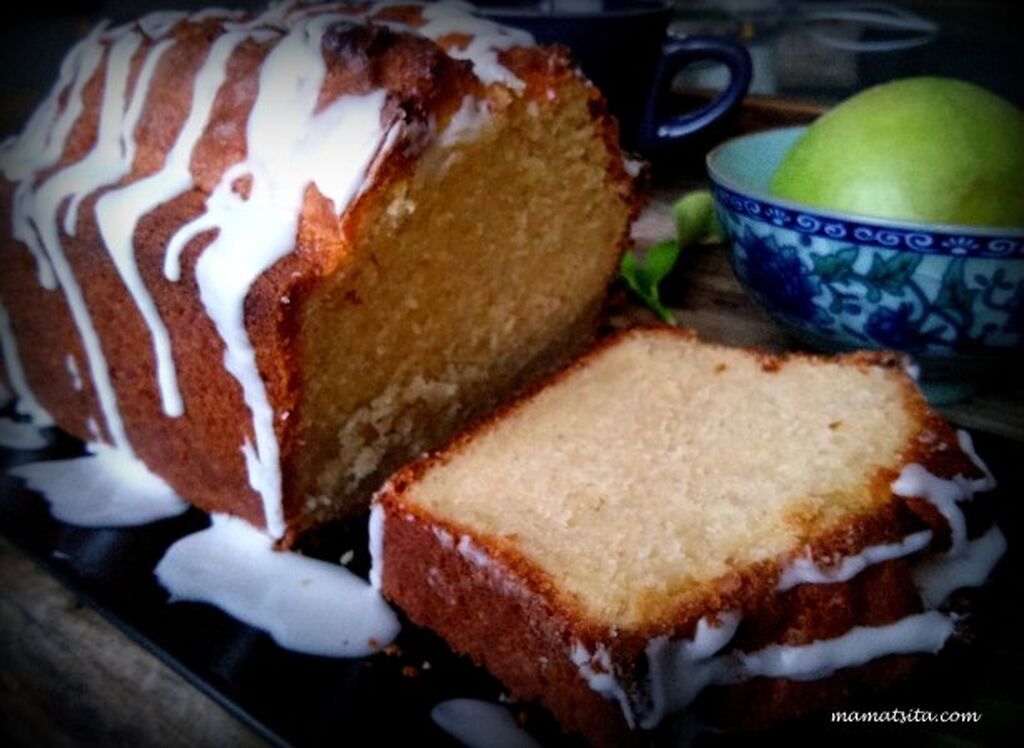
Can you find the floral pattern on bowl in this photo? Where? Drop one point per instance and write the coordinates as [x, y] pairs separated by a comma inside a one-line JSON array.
[[845, 281]]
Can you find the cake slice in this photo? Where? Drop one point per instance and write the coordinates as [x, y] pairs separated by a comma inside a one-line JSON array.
[[667, 515]]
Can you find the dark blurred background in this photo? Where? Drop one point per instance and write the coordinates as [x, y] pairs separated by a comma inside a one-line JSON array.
[[801, 49]]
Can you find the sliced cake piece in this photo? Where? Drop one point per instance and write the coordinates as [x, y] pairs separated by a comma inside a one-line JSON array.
[[666, 515]]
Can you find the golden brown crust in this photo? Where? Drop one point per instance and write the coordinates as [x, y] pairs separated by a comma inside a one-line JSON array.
[[199, 454], [507, 624], [509, 618], [540, 618]]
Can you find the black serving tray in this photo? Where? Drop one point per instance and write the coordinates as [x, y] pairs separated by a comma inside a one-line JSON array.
[[300, 700]]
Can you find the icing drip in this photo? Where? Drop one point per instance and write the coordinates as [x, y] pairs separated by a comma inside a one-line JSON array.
[[41, 144], [107, 488], [596, 669], [804, 570], [473, 553], [376, 533], [924, 632], [76, 376], [937, 578], [680, 670], [108, 161], [159, 23], [306, 605], [15, 435], [944, 494], [112, 156], [465, 123], [118, 212], [27, 404], [480, 724], [93, 429], [966, 443], [289, 146], [967, 563], [487, 38]]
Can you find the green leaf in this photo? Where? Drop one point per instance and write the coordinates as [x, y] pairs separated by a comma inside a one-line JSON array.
[[694, 214], [660, 260], [836, 266], [954, 291], [644, 275], [695, 221], [892, 274]]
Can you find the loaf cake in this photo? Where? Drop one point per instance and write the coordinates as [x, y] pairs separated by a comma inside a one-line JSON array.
[[667, 515], [275, 256]]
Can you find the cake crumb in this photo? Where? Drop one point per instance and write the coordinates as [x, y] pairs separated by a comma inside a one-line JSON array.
[[410, 671], [392, 650], [346, 557]]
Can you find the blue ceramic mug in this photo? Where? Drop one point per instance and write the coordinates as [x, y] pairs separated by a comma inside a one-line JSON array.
[[622, 46]]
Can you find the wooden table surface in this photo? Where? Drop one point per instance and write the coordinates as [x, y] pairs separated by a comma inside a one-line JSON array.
[[69, 677]]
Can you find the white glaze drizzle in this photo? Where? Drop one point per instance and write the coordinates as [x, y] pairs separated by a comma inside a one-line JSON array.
[[306, 605], [938, 577], [42, 142], [76, 377], [114, 151], [108, 161], [16, 435], [27, 404], [107, 488], [966, 443], [444, 537], [93, 429], [159, 23], [465, 123], [472, 552], [286, 152], [481, 724], [924, 632], [804, 570], [944, 494], [118, 212], [597, 670], [376, 542], [487, 38], [679, 670]]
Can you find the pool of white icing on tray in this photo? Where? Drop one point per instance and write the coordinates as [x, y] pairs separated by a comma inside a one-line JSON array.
[[105, 488], [306, 605]]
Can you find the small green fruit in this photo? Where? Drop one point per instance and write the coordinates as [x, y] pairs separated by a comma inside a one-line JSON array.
[[933, 150]]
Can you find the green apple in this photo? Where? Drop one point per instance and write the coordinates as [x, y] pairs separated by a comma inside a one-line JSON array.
[[920, 149]]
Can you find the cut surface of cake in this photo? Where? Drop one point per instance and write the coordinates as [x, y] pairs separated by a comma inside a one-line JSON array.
[[666, 514], [275, 256]]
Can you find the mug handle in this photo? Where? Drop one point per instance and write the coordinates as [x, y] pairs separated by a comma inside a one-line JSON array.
[[676, 55]]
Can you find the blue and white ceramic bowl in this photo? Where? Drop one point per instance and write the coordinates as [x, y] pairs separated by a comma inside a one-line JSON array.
[[953, 296]]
